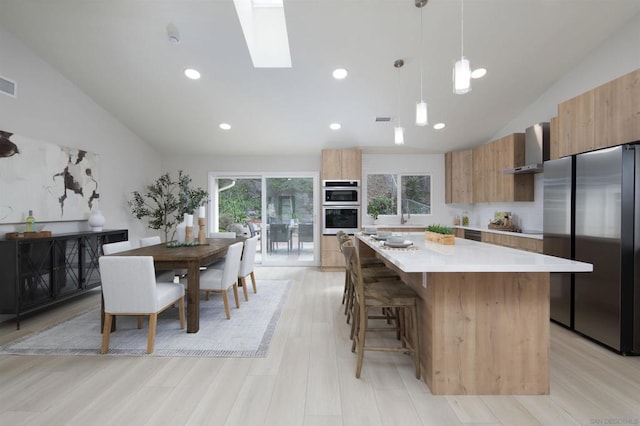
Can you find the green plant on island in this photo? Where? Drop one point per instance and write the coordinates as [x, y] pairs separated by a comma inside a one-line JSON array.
[[440, 229], [380, 204], [165, 202]]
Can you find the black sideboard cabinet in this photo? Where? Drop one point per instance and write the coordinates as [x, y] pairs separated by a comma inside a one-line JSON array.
[[39, 272]]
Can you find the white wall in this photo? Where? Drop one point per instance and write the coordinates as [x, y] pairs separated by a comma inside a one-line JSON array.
[[617, 56], [50, 108], [198, 167]]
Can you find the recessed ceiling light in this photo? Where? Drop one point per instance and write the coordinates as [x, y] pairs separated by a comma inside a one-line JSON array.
[[478, 73], [439, 126], [339, 73], [335, 126], [225, 126], [192, 74]]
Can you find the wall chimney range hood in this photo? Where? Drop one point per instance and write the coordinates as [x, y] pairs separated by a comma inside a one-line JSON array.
[[536, 142]]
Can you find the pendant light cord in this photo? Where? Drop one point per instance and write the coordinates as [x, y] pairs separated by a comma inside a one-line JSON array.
[[461, 28], [421, 56], [398, 101]]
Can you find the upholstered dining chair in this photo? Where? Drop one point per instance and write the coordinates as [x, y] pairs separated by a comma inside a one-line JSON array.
[[221, 280], [129, 287], [247, 265], [162, 275], [112, 248]]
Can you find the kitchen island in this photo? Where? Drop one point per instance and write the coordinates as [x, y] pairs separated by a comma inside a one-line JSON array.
[[483, 313]]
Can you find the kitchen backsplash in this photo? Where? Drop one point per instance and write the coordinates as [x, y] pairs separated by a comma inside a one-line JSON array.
[[526, 215]]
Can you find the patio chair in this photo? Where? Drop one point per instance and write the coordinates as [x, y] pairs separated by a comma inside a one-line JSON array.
[[305, 235], [279, 233]]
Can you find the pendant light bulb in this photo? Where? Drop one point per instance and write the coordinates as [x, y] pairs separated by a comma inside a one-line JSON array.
[[421, 114], [462, 68], [462, 76], [398, 135]]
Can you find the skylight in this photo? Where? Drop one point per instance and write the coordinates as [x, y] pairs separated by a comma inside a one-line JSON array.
[[265, 32]]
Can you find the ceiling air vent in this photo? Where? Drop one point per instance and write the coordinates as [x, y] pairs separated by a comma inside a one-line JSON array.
[[7, 86], [383, 119]]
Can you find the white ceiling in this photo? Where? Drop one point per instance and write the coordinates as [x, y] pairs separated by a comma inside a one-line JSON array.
[[117, 52]]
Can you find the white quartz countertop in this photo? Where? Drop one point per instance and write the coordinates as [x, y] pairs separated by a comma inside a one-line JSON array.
[[469, 256]]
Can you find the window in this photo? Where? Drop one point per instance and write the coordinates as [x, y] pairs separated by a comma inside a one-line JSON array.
[[395, 194]]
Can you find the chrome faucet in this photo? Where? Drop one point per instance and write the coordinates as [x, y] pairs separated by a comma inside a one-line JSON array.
[[402, 219]]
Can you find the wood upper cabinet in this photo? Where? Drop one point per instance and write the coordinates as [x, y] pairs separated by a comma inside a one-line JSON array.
[[341, 164], [459, 177], [554, 136], [617, 111], [576, 125], [490, 184], [481, 165], [606, 116]]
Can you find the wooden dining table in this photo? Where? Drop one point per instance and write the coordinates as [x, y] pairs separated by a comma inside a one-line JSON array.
[[190, 258]]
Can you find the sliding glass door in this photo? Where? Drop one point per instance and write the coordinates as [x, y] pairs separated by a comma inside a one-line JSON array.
[[280, 209]]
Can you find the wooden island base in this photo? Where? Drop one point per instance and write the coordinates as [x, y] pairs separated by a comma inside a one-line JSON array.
[[482, 333]]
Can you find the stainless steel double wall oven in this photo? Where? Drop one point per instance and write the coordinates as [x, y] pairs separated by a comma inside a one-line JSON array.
[[340, 206]]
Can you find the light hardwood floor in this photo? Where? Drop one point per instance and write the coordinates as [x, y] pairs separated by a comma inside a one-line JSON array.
[[306, 379]]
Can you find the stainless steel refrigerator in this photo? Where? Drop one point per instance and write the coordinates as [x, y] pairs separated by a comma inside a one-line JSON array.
[[592, 214]]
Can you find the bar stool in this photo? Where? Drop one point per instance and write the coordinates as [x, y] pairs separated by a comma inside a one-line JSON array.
[[394, 296], [374, 270]]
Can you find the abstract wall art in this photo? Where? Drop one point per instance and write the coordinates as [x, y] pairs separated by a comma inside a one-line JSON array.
[[56, 182]]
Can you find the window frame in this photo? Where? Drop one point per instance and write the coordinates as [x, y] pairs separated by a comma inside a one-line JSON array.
[[398, 178]]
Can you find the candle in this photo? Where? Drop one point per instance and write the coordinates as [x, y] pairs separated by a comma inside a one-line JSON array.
[[189, 220], [201, 211]]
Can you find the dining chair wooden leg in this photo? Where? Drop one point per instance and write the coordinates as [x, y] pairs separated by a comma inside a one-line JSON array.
[[153, 321], [140, 321], [235, 295], [181, 312], [253, 282], [106, 331], [225, 300], [243, 283]]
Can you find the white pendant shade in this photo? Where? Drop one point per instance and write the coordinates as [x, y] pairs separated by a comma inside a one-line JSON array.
[[398, 135], [421, 114], [462, 76]]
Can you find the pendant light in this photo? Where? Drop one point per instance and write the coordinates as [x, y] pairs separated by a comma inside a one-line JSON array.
[[421, 107], [398, 131], [462, 67]]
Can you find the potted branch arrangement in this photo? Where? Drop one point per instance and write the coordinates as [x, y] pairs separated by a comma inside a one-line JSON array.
[[440, 234], [380, 204], [166, 201]]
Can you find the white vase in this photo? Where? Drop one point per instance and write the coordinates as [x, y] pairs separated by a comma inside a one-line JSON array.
[[96, 220], [180, 230]]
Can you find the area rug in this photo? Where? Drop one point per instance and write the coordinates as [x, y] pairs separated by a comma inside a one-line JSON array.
[[246, 335]]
